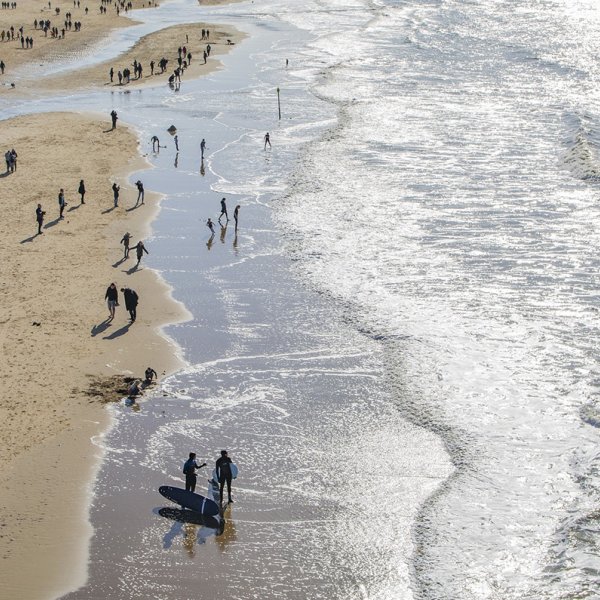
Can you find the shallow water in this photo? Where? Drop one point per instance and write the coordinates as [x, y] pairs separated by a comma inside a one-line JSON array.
[[451, 210]]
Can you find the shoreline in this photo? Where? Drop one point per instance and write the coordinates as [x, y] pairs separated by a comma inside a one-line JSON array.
[[57, 433], [71, 452]]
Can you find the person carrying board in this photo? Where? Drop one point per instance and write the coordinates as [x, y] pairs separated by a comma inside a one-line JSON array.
[[189, 470], [224, 475]]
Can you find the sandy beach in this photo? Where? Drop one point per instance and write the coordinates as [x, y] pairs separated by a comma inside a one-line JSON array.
[[56, 341], [94, 27], [161, 44]]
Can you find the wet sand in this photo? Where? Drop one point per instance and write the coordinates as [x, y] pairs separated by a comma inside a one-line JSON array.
[[55, 337]]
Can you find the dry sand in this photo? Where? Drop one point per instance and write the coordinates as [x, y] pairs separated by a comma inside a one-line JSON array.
[[94, 27], [58, 280]]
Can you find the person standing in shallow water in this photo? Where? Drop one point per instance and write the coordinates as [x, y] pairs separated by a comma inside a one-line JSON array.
[[267, 140], [223, 210], [112, 300], [81, 191], [224, 475], [236, 213], [189, 470]]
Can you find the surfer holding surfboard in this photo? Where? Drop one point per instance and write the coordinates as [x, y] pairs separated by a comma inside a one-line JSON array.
[[224, 474]]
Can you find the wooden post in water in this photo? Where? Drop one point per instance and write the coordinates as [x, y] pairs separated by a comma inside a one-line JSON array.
[[279, 104]]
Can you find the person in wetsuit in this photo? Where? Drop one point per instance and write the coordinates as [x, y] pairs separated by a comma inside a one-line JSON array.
[[224, 475], [189, 469]]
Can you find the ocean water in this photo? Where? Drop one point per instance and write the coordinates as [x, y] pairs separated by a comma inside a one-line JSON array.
[[399, 346], [451, 210]]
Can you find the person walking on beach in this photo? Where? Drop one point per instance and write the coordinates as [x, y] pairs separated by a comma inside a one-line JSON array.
[[155, 143], [224, 475], [139, 250], [267, 140], [116, 188], [223, 210], [202, 147], [114, 117], [111, 74], [81, 191], [61, 203], [125, 241], [140, 188], [211, 226], [190, 466], [39, 217], [112, 299], [236, 213], [131, 302]]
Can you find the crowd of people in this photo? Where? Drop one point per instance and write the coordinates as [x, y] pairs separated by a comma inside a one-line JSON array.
[[184, 60], [113, 293]]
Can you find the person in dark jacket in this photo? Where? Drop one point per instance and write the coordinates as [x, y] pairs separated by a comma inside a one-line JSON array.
[[125, 241], [39, 217], [224, 475], [139, 251], [81, 191], [112, 299], [131, 302]]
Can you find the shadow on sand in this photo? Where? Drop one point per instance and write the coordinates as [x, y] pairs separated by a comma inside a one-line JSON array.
[[29, 239], [119, 262], [52, 223], [96, 329], [118, 333]]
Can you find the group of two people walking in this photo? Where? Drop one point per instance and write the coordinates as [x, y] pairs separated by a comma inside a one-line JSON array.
[[112, 300]]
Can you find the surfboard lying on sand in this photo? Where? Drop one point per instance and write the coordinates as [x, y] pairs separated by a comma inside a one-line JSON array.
[[196, 502]]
